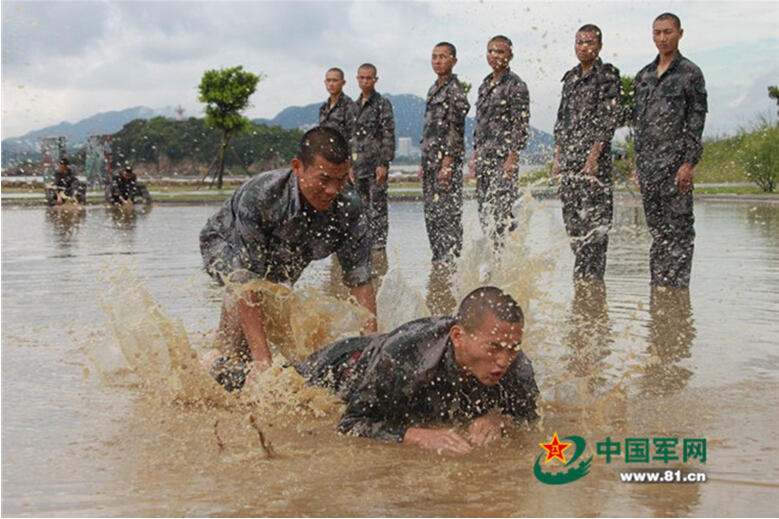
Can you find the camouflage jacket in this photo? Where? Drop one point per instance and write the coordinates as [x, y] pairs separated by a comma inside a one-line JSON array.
[[670, 112], [66, 183], [341, 116], [589, 112], [374, 132], [502, 116], [444, 132], [408, 378], [267, 230]]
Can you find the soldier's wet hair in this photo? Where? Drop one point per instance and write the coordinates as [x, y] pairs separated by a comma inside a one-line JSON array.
[[669, 16], [504, 39], [325, 142], [452, 49], [64, 161], [370, 66], [335, 69], [488, 300], [591, 28]]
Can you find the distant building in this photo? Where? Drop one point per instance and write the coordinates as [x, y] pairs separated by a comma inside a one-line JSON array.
[[404, 147]]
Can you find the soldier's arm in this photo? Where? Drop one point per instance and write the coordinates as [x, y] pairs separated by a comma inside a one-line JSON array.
[[351, 119], [354, 255], [519, 104], [695, 115], [520, 397], [376, 407], [458, 110], [254, 243], [609, 97], [387, 128]]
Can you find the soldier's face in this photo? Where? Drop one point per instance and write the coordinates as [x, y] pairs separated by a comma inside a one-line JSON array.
[[442, 61], [487, 352], [334, 82], [666, 36], [61, 168], [587, 47], [366, 79], [320, 182], [499, 55]]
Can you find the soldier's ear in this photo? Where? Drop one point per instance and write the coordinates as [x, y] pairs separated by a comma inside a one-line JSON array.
[[456, 334], [297, 166]]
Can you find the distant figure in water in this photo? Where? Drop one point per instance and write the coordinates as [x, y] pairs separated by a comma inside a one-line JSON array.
[[272, 227], [434, 370], [65, 187], [124, 187]]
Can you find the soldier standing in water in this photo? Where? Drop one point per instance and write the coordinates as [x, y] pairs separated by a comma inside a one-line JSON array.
[[502, 119], [670, 112], [373, 148], [586, 120], [441, 173]]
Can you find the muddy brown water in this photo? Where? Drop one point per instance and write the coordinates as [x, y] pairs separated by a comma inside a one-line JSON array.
[[85, 431]]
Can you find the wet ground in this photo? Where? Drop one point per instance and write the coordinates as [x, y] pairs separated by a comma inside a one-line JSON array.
[[84, 435]]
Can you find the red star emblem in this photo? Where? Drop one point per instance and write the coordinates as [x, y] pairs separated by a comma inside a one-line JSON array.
[[554, 449]]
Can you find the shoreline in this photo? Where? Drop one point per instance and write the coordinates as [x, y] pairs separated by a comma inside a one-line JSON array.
[[399, 195]]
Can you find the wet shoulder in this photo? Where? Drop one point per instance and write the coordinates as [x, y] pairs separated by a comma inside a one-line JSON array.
[[348, 205], [266, 194], [609, 72], [522, 372], [515, 81], [689, 68], [570, 74], [416, 340]]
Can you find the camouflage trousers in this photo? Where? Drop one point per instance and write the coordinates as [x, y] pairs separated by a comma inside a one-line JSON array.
[[587, 213], [670, 219], [495, 196], [374, 199], [444, 214]]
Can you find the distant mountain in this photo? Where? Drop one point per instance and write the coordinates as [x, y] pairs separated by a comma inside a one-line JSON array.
[[76, 133], [409, 113]]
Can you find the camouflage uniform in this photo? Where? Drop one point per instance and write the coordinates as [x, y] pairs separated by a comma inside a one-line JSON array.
[[443, 136], [265, 230], [341, 116], [502, 118], [669, 116], [408, 378], [66, 184], [373, 145], [587, 114]]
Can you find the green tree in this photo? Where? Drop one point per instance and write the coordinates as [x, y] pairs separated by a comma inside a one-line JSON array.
[[762, 156], [466, 86], [773, 93], [627, 104], [226, 93]]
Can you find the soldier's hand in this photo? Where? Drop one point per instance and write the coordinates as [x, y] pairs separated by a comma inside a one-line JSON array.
[[510, 168], [351, 175], [437, 439], [486, 429], [555, 168], [590, 170], [634, 178], [444, 177], [684, 177], [381, 175], [420, 173], [255, 368], [445, 173]]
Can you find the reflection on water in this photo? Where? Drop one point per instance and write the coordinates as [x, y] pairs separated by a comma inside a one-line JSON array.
[[66, 220], [671, 333], [615, 359]]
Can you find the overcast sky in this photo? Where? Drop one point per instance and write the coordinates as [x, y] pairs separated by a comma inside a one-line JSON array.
[[64, 61]]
